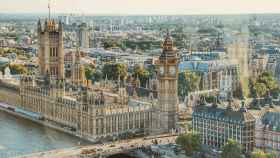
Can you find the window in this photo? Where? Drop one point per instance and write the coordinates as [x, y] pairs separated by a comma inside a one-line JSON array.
[[53, 52]]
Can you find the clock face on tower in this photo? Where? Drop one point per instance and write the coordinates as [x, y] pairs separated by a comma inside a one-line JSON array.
[[172, 70], [161, 70]]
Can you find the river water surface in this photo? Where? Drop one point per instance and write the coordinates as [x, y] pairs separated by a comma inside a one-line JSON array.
[[20, 137]]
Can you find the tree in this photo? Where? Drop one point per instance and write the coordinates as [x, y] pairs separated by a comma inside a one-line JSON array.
[[142, 44], [259, 89], [275, 92], [114, 71], [193, 80], [268, 79], [273, 154], [264, 84], [97, 75], [258, 154], [210, 99], [93, 74], [18, 69], [142, 74], [188, 81], [182, 85], [152, 70], [262, 154], [89, 73], [109, 43], [231, 150], [190, 143]]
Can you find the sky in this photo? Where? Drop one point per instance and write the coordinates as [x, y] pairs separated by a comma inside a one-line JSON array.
[[142, 6]]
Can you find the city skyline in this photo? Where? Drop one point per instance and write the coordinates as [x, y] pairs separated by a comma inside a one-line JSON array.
[[130, 78], [142, 7]]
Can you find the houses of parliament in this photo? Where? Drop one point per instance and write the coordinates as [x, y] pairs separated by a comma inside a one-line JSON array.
[[105, 110]]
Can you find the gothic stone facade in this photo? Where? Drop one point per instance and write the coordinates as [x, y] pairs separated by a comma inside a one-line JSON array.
[[98, 111], [92, 113]]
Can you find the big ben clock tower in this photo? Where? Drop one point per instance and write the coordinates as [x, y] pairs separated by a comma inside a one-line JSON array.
[[165, 112]]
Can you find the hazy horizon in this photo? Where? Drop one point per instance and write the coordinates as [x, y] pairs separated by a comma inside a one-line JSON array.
[[143, 7]]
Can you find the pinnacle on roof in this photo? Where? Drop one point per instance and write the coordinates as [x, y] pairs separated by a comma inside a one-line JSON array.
[[230, 100], [215, 104], [203, 101], [39, 25], [243, 106]]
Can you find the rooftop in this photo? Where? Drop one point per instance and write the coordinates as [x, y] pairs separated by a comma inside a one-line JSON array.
[[241, 115]]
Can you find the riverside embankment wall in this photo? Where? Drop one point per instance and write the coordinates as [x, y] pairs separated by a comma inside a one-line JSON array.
[[9, 94]]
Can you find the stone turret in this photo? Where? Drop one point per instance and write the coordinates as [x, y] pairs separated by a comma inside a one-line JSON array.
[[78, 70], [243, 106], [60, 26], [51, 50], [39, 27]]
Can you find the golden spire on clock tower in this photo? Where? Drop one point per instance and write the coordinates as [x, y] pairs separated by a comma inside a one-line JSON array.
[[168, 43], [168, 49]]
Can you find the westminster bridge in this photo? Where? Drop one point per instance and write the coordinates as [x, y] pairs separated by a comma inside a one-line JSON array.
[[107, 149]]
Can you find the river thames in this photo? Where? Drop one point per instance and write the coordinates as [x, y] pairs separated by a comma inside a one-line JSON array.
[[20, 137]]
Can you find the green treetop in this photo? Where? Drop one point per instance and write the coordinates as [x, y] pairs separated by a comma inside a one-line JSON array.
[[188, 82], [231, 150], [264, 84], [114, 71], [262, 154], [142, 73], [190, 143], [18, 69]]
